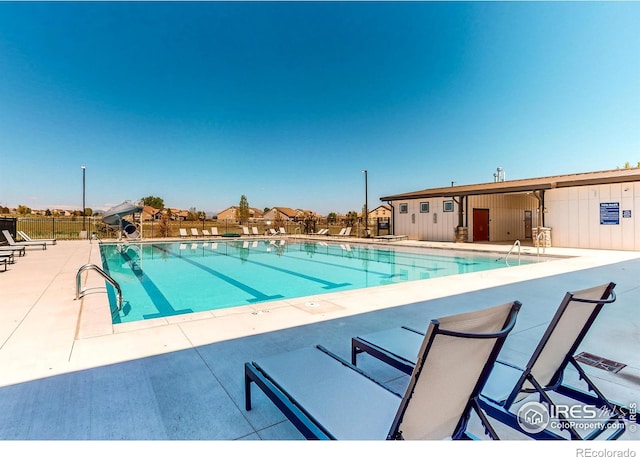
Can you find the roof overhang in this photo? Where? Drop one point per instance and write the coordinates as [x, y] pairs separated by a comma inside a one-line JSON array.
[[525, 185]]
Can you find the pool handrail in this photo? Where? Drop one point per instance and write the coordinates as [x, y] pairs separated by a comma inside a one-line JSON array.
[[90, 266]]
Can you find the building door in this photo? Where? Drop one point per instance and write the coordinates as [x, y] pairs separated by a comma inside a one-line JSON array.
[[527, 225], [480, 224]]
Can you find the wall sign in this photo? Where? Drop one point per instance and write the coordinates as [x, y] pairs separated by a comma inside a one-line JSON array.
[[610, 213]]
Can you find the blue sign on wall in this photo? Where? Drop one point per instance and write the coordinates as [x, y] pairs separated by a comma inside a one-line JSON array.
[[610, 213]]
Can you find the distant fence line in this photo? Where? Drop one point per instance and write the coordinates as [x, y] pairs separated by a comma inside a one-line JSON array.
[[70, 228]]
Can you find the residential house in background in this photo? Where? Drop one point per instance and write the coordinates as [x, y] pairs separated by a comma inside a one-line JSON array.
[[283, 213], [382, 211], [231, 214], [149, 213]]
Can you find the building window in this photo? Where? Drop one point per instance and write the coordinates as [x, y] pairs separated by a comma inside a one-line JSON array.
[[424, 207], [447, 206], [404, 208]]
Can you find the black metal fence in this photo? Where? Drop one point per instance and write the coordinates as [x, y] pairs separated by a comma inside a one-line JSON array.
[[7, 223], [72, 228]]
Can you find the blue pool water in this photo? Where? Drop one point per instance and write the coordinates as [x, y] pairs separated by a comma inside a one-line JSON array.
[[164, 279]]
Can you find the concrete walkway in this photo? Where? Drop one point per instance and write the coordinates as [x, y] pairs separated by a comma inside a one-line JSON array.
[[66, 373]]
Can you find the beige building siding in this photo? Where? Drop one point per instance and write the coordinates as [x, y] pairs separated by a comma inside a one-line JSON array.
[[436, 225], [506, 215], [573, 214]]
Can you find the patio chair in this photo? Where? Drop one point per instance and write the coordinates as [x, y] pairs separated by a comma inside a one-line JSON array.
[[214, 231], [194, 232], [9, 257], [183, 233], [325, 397], [254, 231], [245, 231], [508, 385], [206, 232], [26, 237], [544, 374], [15, 243], [345, 232], [282, 231], [13, 249], [341, 232], [272, 232]]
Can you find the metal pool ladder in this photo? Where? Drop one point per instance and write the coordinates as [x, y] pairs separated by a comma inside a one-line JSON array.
[[90, 266], [506, 258]]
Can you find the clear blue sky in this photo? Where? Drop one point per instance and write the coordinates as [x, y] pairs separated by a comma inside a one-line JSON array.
[[200, 103]]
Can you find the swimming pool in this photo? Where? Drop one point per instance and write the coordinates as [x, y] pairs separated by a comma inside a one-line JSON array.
[[166, 279]]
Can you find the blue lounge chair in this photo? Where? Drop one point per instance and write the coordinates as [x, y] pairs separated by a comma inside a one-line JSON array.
[[325, 397], [509, 385]]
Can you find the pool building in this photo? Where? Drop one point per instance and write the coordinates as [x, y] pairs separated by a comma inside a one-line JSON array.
[[594, 210]]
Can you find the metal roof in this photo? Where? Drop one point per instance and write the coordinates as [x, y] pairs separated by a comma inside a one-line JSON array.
[[525, 185]]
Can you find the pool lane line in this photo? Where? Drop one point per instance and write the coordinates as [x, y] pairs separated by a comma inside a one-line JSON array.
[[258, 296], [158, 299]]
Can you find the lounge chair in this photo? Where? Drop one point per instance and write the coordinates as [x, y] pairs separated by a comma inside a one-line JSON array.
[[508, 385], [245, 231], [206, 232], [214, 231], [15, 243], [272, 232], [26, 237], [194, 232], [282, 231], [341, 232], [8, 256], [183, 233], [13, 249], [254, 231], [325, 397], [320, 232]]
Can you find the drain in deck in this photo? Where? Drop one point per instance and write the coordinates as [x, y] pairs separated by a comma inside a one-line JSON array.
[[599, 362]]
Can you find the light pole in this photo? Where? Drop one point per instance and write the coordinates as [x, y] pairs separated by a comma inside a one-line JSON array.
[[84, 224], [366, 205]]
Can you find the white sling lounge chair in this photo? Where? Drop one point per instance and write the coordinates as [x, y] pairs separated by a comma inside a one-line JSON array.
[[245, 231], [14, 243], [183, 233], [325, 397], [26, 237], [194, 232], [508, 385]]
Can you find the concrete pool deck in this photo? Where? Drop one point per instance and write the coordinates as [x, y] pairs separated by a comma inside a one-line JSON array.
[[67, 373]]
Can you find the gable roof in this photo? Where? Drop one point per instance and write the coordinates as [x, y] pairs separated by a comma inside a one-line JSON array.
[[526, 185]]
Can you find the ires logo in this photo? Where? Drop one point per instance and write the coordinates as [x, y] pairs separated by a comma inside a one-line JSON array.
[[534, 417]]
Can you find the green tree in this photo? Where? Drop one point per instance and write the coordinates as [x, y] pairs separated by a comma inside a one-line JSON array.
[[88, 212], [243, 210], [154, 202], [193, 214], [332, 217], [351, 218], [24, 210]]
